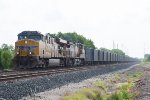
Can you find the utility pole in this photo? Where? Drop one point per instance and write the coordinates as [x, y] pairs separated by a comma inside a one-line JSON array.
[[117, 46], [144, 48], [122, 46], [113, 45]]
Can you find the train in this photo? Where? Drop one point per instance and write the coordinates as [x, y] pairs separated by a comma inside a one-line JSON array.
[[33, 49]]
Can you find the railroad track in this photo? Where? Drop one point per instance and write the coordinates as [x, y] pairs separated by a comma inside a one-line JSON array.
[[22, 75], [8, 77]]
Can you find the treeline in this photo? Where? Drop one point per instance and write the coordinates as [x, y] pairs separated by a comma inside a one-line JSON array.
[[6, 56], [147, 58], [116, 51], [74, 37]]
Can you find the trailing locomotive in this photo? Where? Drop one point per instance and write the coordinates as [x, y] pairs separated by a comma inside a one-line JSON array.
[[33, 49]]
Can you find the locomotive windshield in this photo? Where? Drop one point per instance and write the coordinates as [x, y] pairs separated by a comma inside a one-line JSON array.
[[30, 35], [34, 37], [20, 37]]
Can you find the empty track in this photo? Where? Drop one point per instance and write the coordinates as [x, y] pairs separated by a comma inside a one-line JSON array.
[[21, 75]]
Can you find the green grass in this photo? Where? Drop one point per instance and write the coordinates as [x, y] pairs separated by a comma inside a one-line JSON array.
[[123, 93], [101, 85], [87, 94], [99, 90], [135, 76], [144, 63], [77, 96], [96, 93]]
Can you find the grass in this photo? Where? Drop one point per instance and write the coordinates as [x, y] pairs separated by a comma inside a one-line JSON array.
[[76, 96], [98, 92], [87, 94], [135, 76], [101, 85], [124, 93], [99, 89], [115, 78], [144, 63]]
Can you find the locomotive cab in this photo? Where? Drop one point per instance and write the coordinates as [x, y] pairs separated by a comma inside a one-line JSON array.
[[27, 48]]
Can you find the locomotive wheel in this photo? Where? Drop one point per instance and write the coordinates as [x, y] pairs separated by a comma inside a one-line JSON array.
[[71, 63], [61, 62], [43, 65]]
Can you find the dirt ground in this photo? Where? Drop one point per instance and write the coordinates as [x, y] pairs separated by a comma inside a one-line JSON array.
[[143, 84], [139, 76]]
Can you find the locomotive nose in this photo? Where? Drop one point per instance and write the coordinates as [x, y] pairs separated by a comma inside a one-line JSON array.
[[26, 48]]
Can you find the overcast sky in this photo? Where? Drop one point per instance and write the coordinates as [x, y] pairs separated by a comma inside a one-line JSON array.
[[126, 22]]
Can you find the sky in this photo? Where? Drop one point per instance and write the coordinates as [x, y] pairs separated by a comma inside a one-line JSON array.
[[124, 22]]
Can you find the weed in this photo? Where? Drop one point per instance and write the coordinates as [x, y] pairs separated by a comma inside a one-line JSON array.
[[87, 94], [135, 76], [101, 85], [117, 77]]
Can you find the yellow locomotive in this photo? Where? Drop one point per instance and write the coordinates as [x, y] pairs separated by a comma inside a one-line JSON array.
[[33, 49]]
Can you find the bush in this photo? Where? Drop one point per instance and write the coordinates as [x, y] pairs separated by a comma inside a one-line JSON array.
[[0, 58], [101, 85], [147, 58], [123, 94], [6, 59], [87, 94]]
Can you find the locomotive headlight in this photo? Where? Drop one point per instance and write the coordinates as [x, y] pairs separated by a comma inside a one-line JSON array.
[[26, 42], [30, 52], [17, 53]]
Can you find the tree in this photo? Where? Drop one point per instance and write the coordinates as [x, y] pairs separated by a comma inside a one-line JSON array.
[[6, 56], [105, 49], [60, 35], [74, 37], [0, 58], [6, 59], [89, 43], [147, 57], [7, 47], [117, 51]]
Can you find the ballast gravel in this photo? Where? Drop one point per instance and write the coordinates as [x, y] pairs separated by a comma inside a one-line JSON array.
[[22, 88]]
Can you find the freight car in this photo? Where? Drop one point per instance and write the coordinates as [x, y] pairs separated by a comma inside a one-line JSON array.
[[33, 49]]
